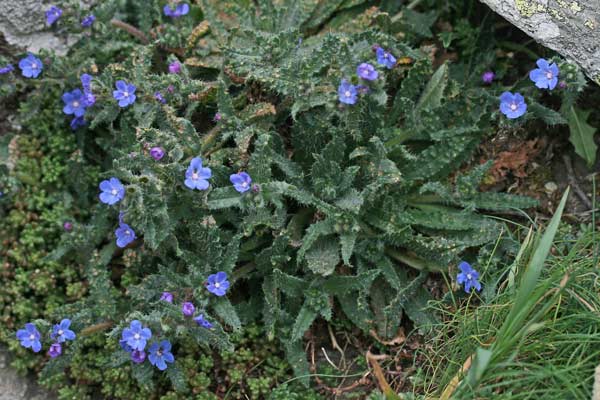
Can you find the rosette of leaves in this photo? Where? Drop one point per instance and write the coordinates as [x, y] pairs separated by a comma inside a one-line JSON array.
[[352, 208]]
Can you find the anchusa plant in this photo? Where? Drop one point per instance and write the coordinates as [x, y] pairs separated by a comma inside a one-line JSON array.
[[31, 338], [285, 202]]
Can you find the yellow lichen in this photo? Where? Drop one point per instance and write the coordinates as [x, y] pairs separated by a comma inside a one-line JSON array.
[[529, 7], [575, 7], [589, 23]]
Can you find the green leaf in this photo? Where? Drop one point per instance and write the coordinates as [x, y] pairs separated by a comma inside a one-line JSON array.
[[304, 320], [323, 256], [177, 377], [434, 90], [546, 114], [225, 310], [582, 135]]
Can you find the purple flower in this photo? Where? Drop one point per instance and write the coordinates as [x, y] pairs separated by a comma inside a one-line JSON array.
[[196, 177], [385, 58], [5, 70], [138, 356], [53, 14], [125, 235], [160, 354], [203, 322], [512, 105], [125, 93], [158, 96], [136, 336], [217, 283], [113, 191], [488, 77], [31, 66], [61, 332], [180, 10], [88, 21], [367, 71], [188, 309], [545, 76], [469, 277], [55, 350], [30, 337], [170, 89], [241, 182], [166, 296], [68, 226], [347, 92], [217, 117], [562, 84], [86, 82], [77, 122], [74, 103], [157, 153], [174, 67]]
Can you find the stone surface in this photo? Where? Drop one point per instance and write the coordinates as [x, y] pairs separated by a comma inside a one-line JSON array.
[[570, 27], [23, 25], [16, 387]]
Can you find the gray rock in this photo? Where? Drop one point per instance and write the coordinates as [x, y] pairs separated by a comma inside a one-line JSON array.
[[16, 387], [570, 27], [23, 25]]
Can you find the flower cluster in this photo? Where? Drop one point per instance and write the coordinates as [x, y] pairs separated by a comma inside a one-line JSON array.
[[179, 10], [544, 77], [30, 337], [77, 101], [348, 93]]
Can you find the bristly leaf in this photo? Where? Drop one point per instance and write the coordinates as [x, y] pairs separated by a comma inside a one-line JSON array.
[[582, 135]]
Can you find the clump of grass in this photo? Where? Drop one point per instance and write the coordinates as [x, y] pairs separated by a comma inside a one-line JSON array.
[[539, 337]]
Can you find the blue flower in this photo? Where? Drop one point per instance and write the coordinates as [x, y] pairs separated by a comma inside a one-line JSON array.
[[61, 332], [469, 277], [196, 177], [180, 10], [125, 235], [203, 322], [74, 103], [385, 58], [136, 336], [217, 283], [367, 71], [6, 69], [125, 346], [125, 93], [188, 309], [347, 92], [241, 182], [512, 105], [160, 354], [88, 21], [53, 14], [112, 191], [546, 75], [55, 350], [78, 122], [31, 66], [30, 337]]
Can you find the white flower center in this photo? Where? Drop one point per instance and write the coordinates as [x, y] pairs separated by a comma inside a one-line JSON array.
[[34, 66], [217, 285], [125, 94], [347, 93], [195, 176], [136, 336], [31, 337], [245, 184], [513, 106], [549, 75], [75, 104], [469, 276], [60, 332], [127, 232], [386, 55], [159, 353], [114, 192]]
